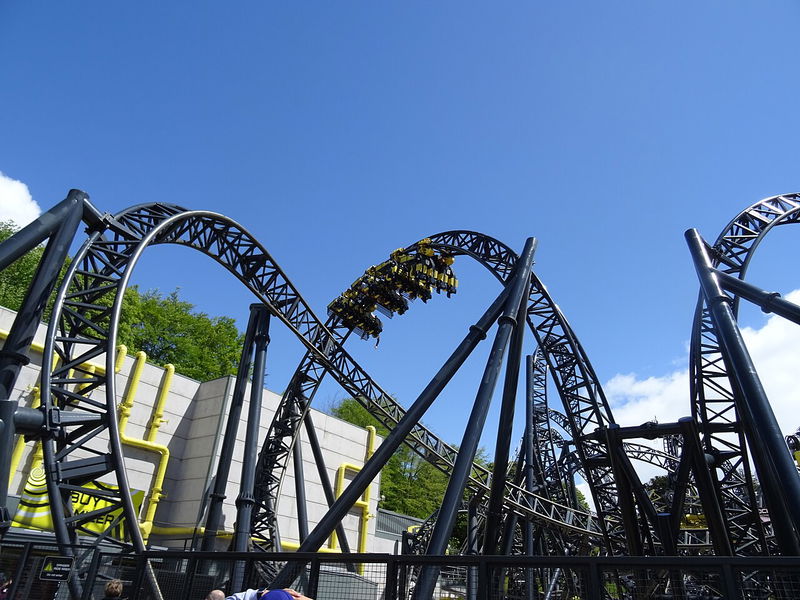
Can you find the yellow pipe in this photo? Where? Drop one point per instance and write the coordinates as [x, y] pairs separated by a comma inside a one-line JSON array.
[[362, 503], [145, 524], [192, 531], [158, 410], [186, 531], [36, 347], [288, 546]]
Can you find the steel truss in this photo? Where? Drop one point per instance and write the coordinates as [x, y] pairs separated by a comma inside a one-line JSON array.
[[574, 377], [83, 442], [712, 393]]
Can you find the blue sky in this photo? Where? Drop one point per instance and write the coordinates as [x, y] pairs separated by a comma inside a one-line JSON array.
[[337, 132]]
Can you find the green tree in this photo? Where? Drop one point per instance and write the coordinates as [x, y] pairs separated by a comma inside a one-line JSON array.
[[17, 277], [166, 328], [169, 331], [409, 484]]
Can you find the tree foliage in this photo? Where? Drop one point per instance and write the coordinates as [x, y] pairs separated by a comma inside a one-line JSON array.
[[409, 484], [17, 277], [169, 331], [165, 327]]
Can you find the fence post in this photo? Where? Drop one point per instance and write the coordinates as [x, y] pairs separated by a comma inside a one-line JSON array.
[[595, 591], [483, 578], [23, 559], [91, 575], [390, 591], [191, 571], [313, 578], [402, 591], [138, 579], [730, 585]]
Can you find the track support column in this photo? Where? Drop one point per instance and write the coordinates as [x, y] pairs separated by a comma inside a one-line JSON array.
[[59, 224], [776, 469], [392, 442], [518, 286], [217, 496], [246, 499]]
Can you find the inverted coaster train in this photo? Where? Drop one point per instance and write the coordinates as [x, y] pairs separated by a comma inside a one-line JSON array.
[[522, 505]]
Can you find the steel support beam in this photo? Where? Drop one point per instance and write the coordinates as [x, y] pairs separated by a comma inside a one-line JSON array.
[[300, 489], [505, 426], [214, 518], [776, 470], [469, 442], [246, 499], [392, 442], [60, 224], [769, 302], [325, 480], [712, 508]]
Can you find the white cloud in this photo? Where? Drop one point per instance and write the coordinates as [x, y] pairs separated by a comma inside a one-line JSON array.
[[587, 494], [775, 349], [635, 401], [16, 203]]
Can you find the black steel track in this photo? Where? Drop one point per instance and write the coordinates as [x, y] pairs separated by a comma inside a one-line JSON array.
[[711, 388], [84, 444], [574, 377]]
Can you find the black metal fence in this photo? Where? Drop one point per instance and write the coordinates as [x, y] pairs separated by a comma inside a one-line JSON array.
[[191, 575]]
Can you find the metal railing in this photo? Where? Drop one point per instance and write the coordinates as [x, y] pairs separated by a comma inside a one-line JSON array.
[[191, 575]]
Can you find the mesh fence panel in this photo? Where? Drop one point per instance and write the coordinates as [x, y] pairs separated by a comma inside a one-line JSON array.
[[191, 575]]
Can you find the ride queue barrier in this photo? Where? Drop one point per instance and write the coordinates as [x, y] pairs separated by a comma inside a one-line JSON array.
[[186, 575]]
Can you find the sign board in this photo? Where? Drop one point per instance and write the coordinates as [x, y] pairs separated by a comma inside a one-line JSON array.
[[56, 568], [33, 510]]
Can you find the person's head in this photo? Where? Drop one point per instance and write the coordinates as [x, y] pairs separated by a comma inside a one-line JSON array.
[[215, 595], [113, 588], [276, 595]]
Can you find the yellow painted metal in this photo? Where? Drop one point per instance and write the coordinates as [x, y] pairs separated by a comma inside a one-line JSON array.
[[125, 407], [291, 546], [186, 531], [363, 503], [157, 417]]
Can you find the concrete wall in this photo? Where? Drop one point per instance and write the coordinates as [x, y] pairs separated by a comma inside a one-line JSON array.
[[194, 419]]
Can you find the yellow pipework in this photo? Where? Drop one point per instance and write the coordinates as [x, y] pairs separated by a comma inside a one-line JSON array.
[[291, 546], [146, 524], [363, 503], [158, 410], [186, 531]]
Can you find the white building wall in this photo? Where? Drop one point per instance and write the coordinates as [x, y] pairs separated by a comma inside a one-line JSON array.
[[194, 419]]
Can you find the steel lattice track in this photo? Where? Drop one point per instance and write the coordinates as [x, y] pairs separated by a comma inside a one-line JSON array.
[[711, 389], [84, 326], [544, 437], [577, 384]]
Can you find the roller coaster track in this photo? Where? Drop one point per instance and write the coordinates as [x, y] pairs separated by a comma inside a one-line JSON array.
[[84, 441], [584, 403], [712, 391]]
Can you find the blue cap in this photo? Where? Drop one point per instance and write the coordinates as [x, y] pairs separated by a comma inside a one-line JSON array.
[[277, 595]]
